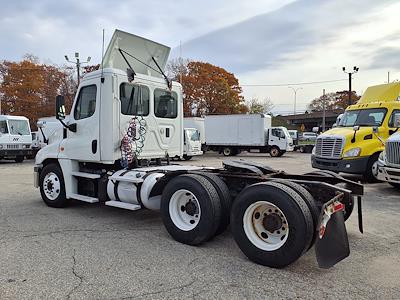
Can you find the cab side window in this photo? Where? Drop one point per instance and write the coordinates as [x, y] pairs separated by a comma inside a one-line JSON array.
[[391, 120], [165, 104], [276, 132], [135, 99], [3, 127], [86, 103]]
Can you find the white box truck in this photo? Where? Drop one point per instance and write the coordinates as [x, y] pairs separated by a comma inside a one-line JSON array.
[[191, 143], [198, 123], [128, 116], [231, 134], [15, 138]]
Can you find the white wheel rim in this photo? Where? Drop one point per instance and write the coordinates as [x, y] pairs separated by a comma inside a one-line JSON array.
[[51, 186], [227, 151], [274, 152], [375, 169], [262, 213], [184, 210]]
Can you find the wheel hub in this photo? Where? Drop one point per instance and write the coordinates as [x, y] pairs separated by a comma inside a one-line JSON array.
[[272, 222], [190, 208]]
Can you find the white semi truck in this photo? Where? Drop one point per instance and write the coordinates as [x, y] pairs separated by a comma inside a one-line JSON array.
[[231, 134], [15, 138], [128, 117]]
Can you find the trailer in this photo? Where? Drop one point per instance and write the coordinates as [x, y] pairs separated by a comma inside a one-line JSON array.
[[125, 124], [15, 138]]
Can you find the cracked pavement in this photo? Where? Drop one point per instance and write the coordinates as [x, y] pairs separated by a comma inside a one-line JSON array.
[[88, 251]]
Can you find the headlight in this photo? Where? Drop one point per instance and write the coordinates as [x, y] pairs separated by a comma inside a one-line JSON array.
[[352, 152], [313, 151]]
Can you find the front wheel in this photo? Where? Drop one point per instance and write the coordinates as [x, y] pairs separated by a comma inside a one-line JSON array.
[[371, 174], [52, 186], [274, 152]]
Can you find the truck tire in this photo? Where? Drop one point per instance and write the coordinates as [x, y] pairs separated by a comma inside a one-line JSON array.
[[187, 157], [191, 209], [19, 159], [227, 151], [281, 153], [271, 224], [274, 152], [308, 199], [52, 188], [225, 199], [371, 172]]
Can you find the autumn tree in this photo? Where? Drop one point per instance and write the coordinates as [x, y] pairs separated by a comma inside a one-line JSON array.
[[207, 89], [256, 106], [29, 88], [333, 101]]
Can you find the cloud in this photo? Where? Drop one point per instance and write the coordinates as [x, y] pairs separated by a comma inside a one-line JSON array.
[[386, 58], [269, 40]]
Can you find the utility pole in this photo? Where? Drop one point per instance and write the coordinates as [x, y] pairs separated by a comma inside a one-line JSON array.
[[323, 110], [355, 70], [78, 64], [295, 97], [388, 77]]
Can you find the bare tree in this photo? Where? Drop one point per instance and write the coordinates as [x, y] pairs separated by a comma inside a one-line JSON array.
[[258, 107]]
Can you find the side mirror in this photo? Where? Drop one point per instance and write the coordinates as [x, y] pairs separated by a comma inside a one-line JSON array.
[[375, 129], [396, 120], [60, 107], [356, 128], [40, 124]]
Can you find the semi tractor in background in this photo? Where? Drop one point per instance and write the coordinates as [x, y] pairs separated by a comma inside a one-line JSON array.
[[232, 134], [191, 143], [127, 118], [15, 138], [355, 144]]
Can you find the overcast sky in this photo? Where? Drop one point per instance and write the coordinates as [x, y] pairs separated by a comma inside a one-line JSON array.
[[261, 41]]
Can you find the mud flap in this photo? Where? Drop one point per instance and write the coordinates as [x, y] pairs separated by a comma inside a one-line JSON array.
[[332, 244]]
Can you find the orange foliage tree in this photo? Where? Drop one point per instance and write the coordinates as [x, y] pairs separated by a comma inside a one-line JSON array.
[[28, 88], [207, 89], [333, 101]]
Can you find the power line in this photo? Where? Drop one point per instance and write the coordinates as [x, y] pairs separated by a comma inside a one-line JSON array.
[[297, 83]]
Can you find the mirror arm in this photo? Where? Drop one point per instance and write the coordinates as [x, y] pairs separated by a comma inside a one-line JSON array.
[[71, 127], [46, 140]]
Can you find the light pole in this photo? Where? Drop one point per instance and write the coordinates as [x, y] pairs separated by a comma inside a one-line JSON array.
[[295, 97], [355, 70], [78, 63]]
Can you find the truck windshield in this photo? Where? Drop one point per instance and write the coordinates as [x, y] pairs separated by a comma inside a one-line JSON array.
[[193, 135], [20, 127], [363, 117]]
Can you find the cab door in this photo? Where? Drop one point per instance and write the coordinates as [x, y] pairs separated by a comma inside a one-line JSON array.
[[277, 138], [83, 144]]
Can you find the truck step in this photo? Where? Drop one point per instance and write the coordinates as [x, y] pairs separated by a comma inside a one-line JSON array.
[[83, 198], [126, 179], [123, 205], [85, 175]]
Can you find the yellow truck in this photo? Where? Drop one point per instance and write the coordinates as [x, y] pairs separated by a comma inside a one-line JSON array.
[[355, 144]]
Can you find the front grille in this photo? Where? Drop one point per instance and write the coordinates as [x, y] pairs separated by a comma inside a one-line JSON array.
[[13, 146], [329, 146], [393, 152]]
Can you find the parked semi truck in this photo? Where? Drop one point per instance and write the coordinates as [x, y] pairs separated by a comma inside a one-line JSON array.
[[356, 143], [231, 134], [128, 116], [389, 159], [191, 143], [15, 138]]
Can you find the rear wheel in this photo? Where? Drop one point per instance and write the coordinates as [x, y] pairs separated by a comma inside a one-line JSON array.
[[52, 188], [187, 157], [19, 159], [227, 151], [274, 152], [191, 209], [271, 224]]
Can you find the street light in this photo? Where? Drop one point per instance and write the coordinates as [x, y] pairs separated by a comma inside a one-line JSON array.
[[78, 63], [295, 96], [355, 70]]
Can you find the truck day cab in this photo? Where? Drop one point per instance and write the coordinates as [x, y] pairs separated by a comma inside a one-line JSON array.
[[191, 143], [127, 117], [356, 143], [15, 138]]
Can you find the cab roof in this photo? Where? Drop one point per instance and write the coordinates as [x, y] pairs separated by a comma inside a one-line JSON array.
[[381, 93]]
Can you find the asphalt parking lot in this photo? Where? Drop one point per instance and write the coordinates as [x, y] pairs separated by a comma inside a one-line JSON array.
[[95, 252]]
